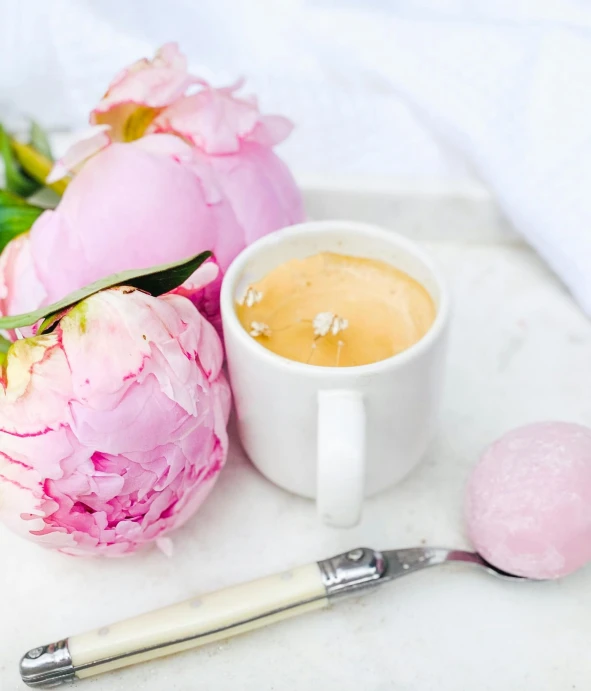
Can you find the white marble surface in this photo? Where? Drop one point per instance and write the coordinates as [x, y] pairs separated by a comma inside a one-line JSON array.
[[519, 352]]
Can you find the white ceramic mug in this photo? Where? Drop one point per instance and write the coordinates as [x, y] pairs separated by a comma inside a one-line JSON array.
[[334, 433]]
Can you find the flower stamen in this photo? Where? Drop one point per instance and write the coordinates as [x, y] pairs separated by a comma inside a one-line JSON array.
[[250, 297], [259, 329], [328, 322]]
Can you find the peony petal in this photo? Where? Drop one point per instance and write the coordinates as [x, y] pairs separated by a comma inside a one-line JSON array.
[[199, 343], [20, 287], [207, 273], [137, 94], [52, 240], [165, 145], [211, 119], [106, 486], [131, 458], [100, 376], [37, 389], [145, 419], [260, 188], [169, 55], [81, 240], [203, 290], [78, 153], [271, 130], [166, 546]]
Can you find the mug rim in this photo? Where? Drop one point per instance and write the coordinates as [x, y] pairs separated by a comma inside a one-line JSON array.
[[230, 318]]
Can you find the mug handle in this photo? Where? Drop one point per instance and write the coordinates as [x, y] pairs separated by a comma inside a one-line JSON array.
[[341, 457]]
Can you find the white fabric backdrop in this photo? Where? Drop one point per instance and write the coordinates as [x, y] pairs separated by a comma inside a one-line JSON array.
[[57, 58], [425, 89]]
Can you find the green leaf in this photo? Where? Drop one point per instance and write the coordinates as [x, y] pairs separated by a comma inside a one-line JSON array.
[[39, 141], [156, 280], [15, 222], [50, 322], [16, 180], [4, 344], [10, 199], [16, 216], [36, 166]]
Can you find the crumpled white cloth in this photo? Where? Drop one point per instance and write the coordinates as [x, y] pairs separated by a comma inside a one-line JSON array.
[[509, 89], [426, 88]]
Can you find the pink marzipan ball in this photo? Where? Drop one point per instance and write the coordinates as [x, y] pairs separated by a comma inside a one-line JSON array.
[[528, 500]]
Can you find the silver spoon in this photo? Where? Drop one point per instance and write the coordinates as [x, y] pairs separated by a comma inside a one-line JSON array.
[[231, 611]]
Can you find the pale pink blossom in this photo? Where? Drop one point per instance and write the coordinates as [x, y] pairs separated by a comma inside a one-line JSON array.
[[128, 208], [140, 91], [89, 144], [152, 96], [20, 288], [134, 98], [149, 202], [113, 427], [217, 121], [164, 174]]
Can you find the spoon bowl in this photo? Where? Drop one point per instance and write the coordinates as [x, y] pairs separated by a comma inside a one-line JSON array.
[[404, 561]]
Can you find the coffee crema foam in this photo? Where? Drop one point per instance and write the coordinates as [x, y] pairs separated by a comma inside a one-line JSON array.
[[336, 310]]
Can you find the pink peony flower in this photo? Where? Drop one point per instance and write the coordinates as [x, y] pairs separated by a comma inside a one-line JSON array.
[[113, 427], [218, 121], [166, 174], [131, 208], [151, 97], [139, 92], [20, 288]]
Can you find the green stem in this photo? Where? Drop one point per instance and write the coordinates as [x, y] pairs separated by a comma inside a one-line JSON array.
[[4, 346], [37, 165]]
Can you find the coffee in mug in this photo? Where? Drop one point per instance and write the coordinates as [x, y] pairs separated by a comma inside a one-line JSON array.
[[336, 310], [312, 420]]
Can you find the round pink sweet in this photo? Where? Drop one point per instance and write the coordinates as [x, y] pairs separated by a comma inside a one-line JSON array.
[[528, 500]]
